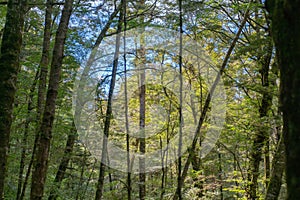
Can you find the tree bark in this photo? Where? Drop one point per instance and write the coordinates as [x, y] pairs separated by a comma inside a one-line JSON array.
[[9, 67], [286, 35], [278, 165], [43, 148]]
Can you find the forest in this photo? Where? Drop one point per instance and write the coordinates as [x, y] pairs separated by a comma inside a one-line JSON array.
[[149, 99]]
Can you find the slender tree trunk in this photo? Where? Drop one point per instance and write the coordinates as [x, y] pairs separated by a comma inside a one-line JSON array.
[[262, 136], [43, 148], [164, 153], [64, 162], [208, 99], [44, 63], [278, 165], [286, 34], [85, 74], [267, 162], [220, 175], [42, 76], [9, 66], [100, 184], [142, 105], [126, 106], [29, 119], [142, 139], [81, 179], [179, 175]]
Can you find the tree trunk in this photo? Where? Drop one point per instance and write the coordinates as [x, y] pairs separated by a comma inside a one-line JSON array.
[[64, 162], [278, 165], [142, 105], [180, 120], [286, 35], [42, 76], [9, 67], [208, 98], [100, 184], [28, 121], [126, 106], [262, 136], [142, 139], [41, 162], [220, 175], [44, 61]]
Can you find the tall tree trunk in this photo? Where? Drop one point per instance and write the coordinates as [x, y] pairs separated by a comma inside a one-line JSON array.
[[286, 34], [262, 136], [126, 106], [43, 148], [179, 175], [208, 98], [71, 137], [142, 139], [28, 121], [44, 63], [142, 105], [42, 77], [9, 67], [100, 184]]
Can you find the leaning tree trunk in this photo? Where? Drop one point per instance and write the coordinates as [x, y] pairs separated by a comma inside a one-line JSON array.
[[9, 67], [104, 156], [41, 162], [286, 34], [208, 100], [73, 135]]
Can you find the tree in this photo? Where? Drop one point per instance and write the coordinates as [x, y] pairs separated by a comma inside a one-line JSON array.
[[9, 66], [233, 36], [40, 79], [286, 35], [41, 164], [108, 116], [142, 109]]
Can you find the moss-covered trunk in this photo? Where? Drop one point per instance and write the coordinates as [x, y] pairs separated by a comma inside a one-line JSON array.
[[260, 139], [9, 67], [286, 34]]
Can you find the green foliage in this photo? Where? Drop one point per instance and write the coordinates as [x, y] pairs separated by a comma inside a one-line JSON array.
[[212, 24]]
